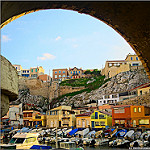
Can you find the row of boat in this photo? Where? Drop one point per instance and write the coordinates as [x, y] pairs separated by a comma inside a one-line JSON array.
[[26, 138]]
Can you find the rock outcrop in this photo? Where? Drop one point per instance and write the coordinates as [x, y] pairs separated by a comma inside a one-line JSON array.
[[122, 82]]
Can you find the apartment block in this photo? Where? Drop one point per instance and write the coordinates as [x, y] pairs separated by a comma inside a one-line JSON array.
[[114, 67], [36, 71], [60, 74], [75, 73]]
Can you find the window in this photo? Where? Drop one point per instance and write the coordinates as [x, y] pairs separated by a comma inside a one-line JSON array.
[[119, 110], [28, 71], [35, 70], [63, 71], [59, 75], [87, 122], [114, 96], [71, 77], [110, 65], [96, 115], [59, 71], [141, 92], [144, 122], [101, 117], [71, 72], [134, 109], [135, 64], [96, 123], [102, 123], [55, 72], [55, 76], [16, 67], [47, 113], [79, 71], [139, 109], [131, 58], [31, 70], [19, 140], [79, 122], [56, 113], [63, 75], [136, 58]]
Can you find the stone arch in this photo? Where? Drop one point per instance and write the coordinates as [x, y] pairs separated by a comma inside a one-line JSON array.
[[129, 19]]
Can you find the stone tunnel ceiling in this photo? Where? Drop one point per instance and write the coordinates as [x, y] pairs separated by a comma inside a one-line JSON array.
[[130, 19]]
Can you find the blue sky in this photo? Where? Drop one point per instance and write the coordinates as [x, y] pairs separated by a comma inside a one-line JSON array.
[[61, 39]]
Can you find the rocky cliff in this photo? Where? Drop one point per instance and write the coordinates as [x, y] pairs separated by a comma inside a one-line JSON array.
[[122, 82]]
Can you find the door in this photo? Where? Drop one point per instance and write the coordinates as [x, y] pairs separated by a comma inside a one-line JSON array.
[[59, 123], [83, 123], [92, 124]]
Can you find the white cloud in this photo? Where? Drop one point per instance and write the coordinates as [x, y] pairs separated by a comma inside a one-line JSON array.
[[5, 38], [46, 56], [58, 38]]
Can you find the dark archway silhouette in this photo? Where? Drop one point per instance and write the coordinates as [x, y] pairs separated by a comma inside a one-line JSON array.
[[129, 19]]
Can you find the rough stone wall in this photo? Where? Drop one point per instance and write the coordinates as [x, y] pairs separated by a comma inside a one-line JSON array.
[[9, 84], [68, 89], [36, 87]]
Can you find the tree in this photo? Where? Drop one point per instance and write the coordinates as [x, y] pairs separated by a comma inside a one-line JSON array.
[[87, 72]]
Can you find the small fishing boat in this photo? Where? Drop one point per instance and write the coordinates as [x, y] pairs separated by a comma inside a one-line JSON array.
[[67, 145], [121, 133], [101, 141], [139, 143], [120, 143], [23, 140], [129, 135]]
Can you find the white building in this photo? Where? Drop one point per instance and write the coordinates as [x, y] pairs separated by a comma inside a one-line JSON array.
[[16, 114], [109, 99]]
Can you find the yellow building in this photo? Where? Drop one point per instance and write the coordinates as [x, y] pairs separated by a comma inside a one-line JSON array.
[[144, 90], [94, 119], [114, 67], [36, 71], [32, 118], [18, 68], [40, 119], [83, 120], [100, 119], [61, 116]]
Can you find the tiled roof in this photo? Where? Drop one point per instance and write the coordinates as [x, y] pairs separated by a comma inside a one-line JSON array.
[[115, 61], [107, 113], [141, 86], [85, 114]]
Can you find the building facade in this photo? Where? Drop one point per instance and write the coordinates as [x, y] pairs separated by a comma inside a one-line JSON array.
[[108, 99], [131, 116], [100, 119], [60, 74], [36, 71], [83, 120], [61, 116], [75, 73], [25, 73], [16, 114], [18, 68], [32, 118], [44, 78], [114, 67]]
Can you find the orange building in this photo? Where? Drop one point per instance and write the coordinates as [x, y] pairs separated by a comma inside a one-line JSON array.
[[121, 115], [140, 116], [60, 74], [131, 116], [44, 78], [32, 118]]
